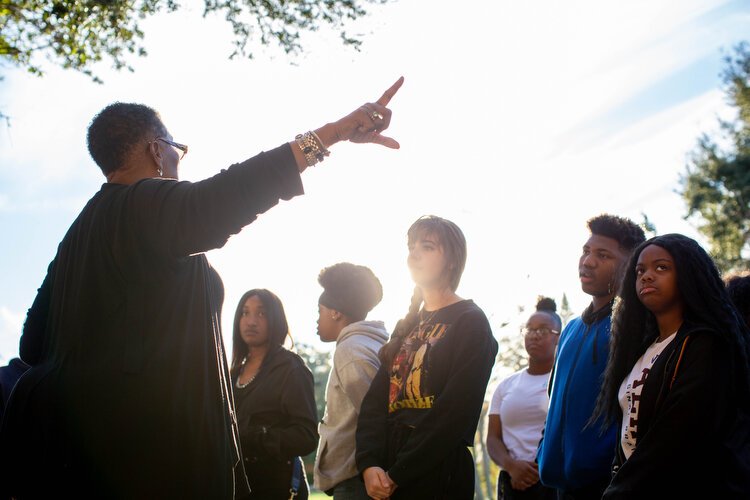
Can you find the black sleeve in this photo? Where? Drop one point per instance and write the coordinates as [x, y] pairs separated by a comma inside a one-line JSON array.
[[297, 434], [686, 424], [33, 337], [185, 218], [372, 424], [458, 406]]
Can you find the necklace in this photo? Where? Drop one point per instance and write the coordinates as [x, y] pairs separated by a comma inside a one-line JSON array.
[[423, 320], [242, 369]]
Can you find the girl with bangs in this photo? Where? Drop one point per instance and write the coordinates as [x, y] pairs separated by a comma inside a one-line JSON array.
[[421, 412]]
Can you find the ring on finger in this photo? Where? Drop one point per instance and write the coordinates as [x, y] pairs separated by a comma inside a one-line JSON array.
[[376, 116]]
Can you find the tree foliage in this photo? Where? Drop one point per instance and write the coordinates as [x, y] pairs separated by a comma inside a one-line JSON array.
[[716, 185], [319, 364], [565, 311], [511, 352], [75, 34]]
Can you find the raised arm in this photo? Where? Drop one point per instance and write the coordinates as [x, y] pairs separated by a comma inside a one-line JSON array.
[[184, 218], [363, 125]]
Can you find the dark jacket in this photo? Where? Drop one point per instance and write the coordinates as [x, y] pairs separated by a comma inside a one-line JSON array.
[[693, 429], [9, 375], [422, 410], [128, 395], [278, 420], [572, 454]]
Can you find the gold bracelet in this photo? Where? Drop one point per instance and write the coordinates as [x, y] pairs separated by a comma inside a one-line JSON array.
[[312, 147]]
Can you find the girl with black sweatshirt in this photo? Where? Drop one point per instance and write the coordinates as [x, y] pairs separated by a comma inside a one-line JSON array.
[[421, 412], [678, 379]]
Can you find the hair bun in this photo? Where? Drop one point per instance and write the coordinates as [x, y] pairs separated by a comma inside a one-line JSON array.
[[546, 304]]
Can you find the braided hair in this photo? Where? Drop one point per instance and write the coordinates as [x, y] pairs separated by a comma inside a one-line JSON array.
[[451, 239], [705, 302]]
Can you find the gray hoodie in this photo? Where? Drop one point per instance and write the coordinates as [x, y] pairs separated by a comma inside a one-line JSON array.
[[355, 362]]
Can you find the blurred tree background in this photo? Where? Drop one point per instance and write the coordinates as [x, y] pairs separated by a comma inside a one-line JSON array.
[[77, 34], [716, 183]]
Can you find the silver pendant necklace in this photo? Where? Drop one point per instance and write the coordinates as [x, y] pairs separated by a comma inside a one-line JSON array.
[[242, 369]]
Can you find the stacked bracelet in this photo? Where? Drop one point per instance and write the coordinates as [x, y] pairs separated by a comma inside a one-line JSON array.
[[312, 147]]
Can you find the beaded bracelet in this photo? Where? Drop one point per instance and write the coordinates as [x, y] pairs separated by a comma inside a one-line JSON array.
[[312, 147]]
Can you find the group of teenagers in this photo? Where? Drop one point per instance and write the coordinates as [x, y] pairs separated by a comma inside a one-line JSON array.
[[401, 410], [130, 394], [646, 394]]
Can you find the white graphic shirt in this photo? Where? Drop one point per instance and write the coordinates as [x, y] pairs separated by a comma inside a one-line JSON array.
[[630, 394]]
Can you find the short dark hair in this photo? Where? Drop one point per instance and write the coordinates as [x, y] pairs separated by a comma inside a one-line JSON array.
[[624, 231], [278, 327], [350, 289], [117, 129]]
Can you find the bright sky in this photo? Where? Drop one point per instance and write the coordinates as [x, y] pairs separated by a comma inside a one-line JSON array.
[[518, 121]]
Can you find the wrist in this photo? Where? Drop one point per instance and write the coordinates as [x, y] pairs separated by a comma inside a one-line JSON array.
[[508, 464], [312, 147], [328, 135]]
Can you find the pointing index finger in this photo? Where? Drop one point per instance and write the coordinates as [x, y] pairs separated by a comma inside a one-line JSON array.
[[388, 94]]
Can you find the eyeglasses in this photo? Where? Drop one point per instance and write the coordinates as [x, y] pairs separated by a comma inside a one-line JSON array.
[[182, 147], [538, 332]]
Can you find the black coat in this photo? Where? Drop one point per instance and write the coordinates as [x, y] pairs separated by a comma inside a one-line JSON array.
[[278, 420], [128, 395], [693, 437]]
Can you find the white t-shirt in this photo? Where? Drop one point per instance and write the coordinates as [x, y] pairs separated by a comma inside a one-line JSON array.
[[521, 400], [630, 394]]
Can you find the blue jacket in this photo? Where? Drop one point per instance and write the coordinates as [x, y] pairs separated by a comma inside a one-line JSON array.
[[573, 455]]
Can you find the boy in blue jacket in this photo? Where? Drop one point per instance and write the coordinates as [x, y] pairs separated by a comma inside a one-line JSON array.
[[574, 456]]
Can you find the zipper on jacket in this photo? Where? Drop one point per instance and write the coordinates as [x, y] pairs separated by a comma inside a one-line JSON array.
[[567, 385]]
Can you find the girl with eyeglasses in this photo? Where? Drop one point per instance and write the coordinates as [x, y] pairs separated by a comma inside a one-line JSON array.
[[519, 408], [677, 379], [421, 412]]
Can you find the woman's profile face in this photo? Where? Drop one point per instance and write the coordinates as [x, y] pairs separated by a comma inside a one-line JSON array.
[[427, 261], [170, 156], [254, 322], [656, 280]]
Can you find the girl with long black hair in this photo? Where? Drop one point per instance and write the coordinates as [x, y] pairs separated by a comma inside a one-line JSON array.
[[678, 378], [421, 412], [275, 400]]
